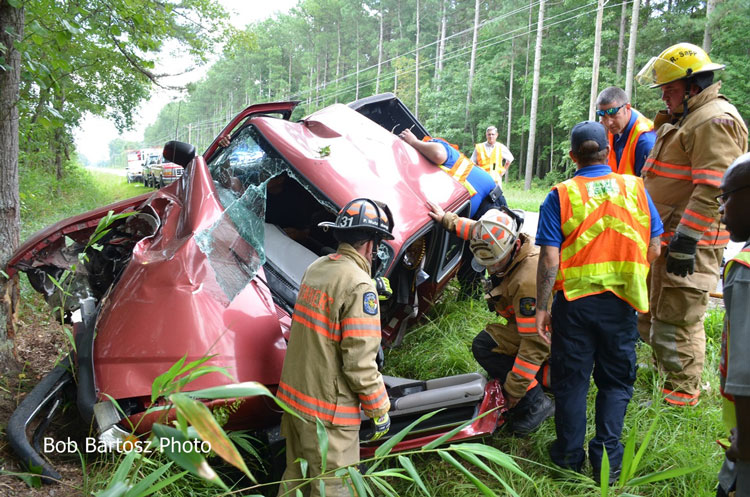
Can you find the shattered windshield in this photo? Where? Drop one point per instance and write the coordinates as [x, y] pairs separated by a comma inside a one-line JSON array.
[[275, 214], [240, 173]]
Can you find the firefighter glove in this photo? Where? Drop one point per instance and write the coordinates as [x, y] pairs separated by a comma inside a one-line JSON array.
[[681, 255], [383, 287], [381, 424]]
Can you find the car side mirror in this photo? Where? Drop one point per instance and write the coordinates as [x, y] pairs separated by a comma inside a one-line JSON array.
[[179, 152]]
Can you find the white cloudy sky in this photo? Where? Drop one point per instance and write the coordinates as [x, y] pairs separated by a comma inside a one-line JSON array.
[[92, 139]]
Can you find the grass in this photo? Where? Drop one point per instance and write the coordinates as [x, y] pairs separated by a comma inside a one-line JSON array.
[[528, 200], [683, 437], [45, 201]]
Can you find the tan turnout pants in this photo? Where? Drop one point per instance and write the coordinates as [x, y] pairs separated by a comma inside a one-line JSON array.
[[674, 325], [302, 442]]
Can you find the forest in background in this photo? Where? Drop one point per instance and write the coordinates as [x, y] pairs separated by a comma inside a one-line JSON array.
[[459, 65]]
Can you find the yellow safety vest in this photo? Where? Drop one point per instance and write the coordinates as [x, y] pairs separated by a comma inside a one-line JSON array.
[[627, 159], [728, 412], [461, 168], [491, 162], [606, 223]]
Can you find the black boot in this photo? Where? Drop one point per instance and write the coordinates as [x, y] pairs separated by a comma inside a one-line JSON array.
[[530, 412]]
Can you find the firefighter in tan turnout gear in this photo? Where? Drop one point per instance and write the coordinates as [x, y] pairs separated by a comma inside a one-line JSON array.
[[509, 350], [698, 136], [330, 366]]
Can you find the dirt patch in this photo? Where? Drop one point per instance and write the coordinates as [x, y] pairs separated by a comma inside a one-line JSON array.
[[40, 343]]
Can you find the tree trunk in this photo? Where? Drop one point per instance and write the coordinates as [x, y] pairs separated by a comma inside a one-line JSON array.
[[380, 53], [534, 97], [441, 45], [510, 90], [11, 30], [621, 39], [468, 127], [521, 161], [631, 49], [338, 62], [710, 4], [356, 91], [58, 134], [416, 68], [597, 56]]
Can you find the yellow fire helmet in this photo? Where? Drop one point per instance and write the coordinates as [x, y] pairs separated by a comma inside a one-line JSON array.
[[676, 62]]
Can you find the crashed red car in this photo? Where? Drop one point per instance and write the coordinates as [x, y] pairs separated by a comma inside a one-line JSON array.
[[211, 265]]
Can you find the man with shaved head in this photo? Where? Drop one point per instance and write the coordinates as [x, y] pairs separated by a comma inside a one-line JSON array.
[[734, 205]]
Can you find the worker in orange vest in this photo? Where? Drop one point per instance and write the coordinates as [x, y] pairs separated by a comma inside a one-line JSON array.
[[631, 135], [492, 156], [598, 233]]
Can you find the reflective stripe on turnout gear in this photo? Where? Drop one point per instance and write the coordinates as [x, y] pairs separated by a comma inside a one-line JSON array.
[[606, 223]]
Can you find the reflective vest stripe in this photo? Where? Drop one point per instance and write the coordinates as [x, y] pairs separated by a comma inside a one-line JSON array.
[[707, 177], [507, 312], [526, 325], [360, 327], [546, 375], [668, 170], [340, 415], [627, 160], [463, 228], [729, 415], [316, 321], [606, 223], [374, 401], [679, 398], [460, 171]]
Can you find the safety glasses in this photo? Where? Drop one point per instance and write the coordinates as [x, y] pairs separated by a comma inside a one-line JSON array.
[[724, 196], [609, 112]]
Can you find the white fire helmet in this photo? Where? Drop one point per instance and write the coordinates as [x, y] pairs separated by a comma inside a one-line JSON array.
[[492, 239]]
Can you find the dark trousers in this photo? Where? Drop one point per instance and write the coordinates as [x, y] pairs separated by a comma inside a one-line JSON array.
[[497, 365], [596, 332]]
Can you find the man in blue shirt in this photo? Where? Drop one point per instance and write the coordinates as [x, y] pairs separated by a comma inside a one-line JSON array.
[[598, 233], [485, 194], [631, 135]]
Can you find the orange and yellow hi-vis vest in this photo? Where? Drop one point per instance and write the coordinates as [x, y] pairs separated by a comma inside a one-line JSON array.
[[491, 162], [728, 411], [606, 223], [627, 160], [460, 169]]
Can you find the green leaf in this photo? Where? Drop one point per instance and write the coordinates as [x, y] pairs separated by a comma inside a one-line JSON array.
[[628, 470], [477, 483], [16, 4], [236, 390], [662, 475], [493, 454], [117, 490], [386, 448], [358, 481], [604, 474], [472, 458], [157, 386], [70, 27], [322, 443], [193, 461], [205, 424], [121, 474], [409, 467], [384, 486], [142, 486], [644, 445]]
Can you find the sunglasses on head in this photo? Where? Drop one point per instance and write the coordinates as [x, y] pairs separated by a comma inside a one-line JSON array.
[[609, 112]]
